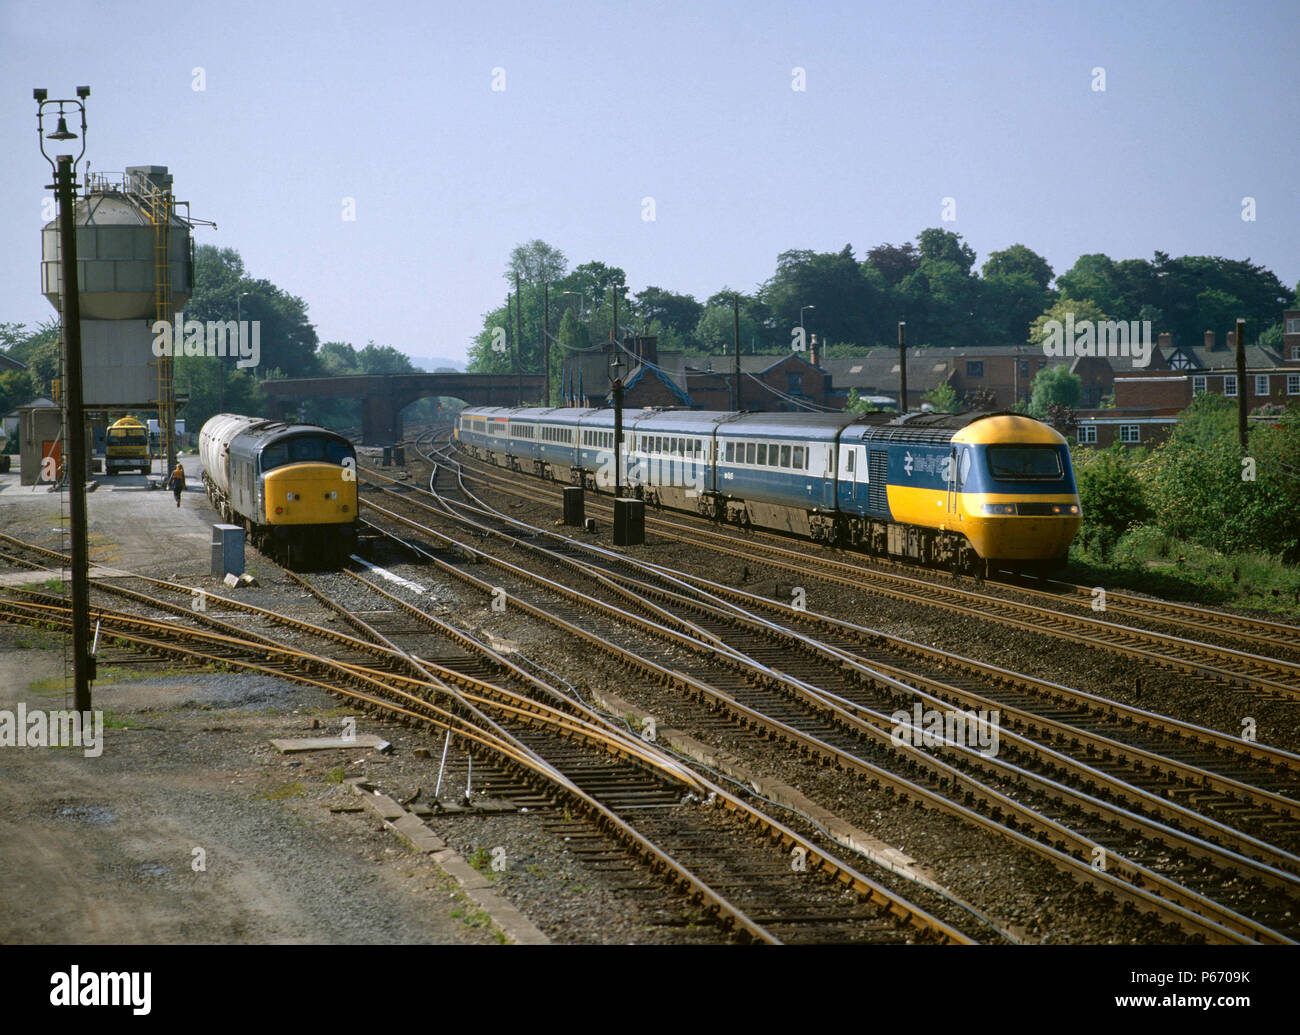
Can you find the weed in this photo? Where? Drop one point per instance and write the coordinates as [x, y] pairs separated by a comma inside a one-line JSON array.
[[285, 790]]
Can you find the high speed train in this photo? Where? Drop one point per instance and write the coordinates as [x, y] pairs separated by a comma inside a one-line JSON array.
[[292, 486], [958, 491]]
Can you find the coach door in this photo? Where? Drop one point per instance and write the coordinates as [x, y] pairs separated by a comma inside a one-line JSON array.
[[950, 479], [853, 473]]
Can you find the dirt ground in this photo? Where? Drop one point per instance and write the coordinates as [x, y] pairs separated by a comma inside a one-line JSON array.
[[191, 828]]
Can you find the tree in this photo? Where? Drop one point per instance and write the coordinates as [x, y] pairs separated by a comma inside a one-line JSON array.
[[1062, 310], [943, 397], [855, 403], [832, 283], [1055, 386], [535, 263], [936, 245], [672, 312], [893, 262], [1013, 291], [1018, 261], [715, 331], [1092, 278], [980, 399]]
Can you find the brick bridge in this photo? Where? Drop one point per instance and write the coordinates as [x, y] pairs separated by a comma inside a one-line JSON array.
[[384, 396]]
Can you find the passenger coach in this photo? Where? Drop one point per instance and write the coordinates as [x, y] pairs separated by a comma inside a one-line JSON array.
[[960, 491]]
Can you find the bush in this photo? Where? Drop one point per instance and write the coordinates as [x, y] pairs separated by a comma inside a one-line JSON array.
[[1110, 495], [1199, 489]]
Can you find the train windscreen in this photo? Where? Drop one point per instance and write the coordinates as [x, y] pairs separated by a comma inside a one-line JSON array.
[[1024, 463], [305, 449]]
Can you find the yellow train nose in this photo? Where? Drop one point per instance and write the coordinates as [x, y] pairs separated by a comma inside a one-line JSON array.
[[309, 494]]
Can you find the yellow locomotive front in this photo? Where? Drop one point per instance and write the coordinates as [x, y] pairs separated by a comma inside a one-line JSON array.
[[1017, 496], [310, 494], [307, 495]]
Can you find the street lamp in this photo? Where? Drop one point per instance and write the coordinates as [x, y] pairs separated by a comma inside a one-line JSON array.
[[64, 168], [801, 335]]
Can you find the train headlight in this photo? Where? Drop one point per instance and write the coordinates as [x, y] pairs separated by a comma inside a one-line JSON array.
[[1065, 508], [1000, 508]]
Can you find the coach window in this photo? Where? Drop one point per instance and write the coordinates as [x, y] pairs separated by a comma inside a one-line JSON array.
[[762, 454], [798, 458], [751, 451], [785, 456], [849, 457]]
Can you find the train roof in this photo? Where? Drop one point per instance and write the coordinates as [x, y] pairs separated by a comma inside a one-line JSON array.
[[257, 434]]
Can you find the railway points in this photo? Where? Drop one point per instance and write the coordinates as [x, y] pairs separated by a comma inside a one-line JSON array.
[[1208, 820]]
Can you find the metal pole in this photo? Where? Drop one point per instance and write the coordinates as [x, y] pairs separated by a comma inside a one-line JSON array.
[[546, 341], [735, 332], [83, 666], [618, 438], [902, 366], [519, 345], [1242, 430]]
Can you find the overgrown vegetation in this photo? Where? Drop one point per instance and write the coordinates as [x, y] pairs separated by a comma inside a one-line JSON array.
[[1194, 516]]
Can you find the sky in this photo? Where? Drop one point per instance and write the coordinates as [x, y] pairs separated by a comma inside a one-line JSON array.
[[461, 130]]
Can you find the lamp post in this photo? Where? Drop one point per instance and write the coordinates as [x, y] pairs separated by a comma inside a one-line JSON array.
[[64, 168], [801, 337]]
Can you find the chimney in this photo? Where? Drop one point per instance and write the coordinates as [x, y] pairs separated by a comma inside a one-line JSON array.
[[1165, 340], [1232, 340], [813, 350], [1209, 340]]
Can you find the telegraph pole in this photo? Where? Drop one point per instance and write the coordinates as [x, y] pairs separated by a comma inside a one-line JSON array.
[[735, 341], [902, 366], [519, 345], [546, 341], [1242, 429]]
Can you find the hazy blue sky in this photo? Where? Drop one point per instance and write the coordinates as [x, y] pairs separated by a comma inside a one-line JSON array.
[[690, 104]]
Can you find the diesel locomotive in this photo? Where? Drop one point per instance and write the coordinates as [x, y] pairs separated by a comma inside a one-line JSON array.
[[292, 486], [965, 492]]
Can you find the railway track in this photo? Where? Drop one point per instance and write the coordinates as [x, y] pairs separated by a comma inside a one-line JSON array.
[[1271, 677], [589, 765], [764, 710]]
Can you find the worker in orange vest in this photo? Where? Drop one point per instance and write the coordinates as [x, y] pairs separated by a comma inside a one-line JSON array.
[[177, 482]]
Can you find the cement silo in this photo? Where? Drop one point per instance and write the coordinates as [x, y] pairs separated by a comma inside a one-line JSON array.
[[134, 266]]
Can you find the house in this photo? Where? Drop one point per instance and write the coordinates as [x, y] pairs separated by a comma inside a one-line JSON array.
[[1148, 402]]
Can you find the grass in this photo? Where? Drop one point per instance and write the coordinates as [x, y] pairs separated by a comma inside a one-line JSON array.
[[284, 791], [54, 585], [39, 639], [335, 775], [1147, 560], [106, 675]]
